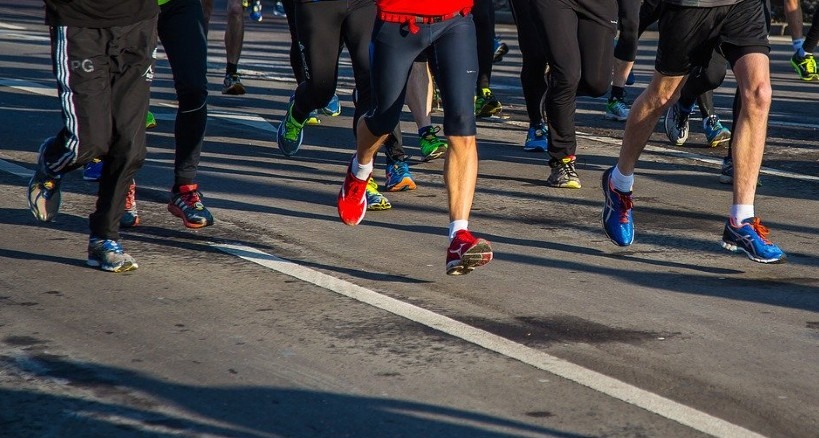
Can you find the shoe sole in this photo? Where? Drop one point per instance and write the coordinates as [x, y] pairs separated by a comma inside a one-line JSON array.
[[405, 184], [435, 155], [734, 248], [234, 90], [719, 141], [489, 112], [125, 267], [474, 257], [568, 185], [379, 207], [174, 210], [615, 118]]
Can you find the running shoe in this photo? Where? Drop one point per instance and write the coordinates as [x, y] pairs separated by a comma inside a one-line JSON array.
[[563, 173], [631, 79], [130, 217], [44, 194], [150, 120], [399, 177], [616, 109], [726, 174], [92, 171], [431, 145], [333, 107], [466, 252], [751, 237], [352, 199], [486, 104], [278, 9], [715, 133], [233, 85], [256, 11], [375, 200], [313, 119], [108, 255], [537, 139], [290, 134], [805, 67], [187, 205], [617, 219], [676, 125], [501, 49]]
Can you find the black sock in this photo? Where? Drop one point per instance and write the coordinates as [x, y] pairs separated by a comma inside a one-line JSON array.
[[618, 92], [231, 69]]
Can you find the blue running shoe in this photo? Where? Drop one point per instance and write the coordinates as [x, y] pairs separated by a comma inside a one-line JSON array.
[[333, 108], [399, 177], [536, 139], [617, 220], [93, 170], [108, 255], [751, 238], [290, 134], [631, 79], [715, 133]]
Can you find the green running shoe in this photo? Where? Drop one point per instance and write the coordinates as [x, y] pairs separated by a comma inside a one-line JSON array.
[[431, 145]]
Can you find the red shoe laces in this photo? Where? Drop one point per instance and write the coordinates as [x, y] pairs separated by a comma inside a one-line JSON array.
[[626, 204], [130, 199], [190, 198], [760, 229]]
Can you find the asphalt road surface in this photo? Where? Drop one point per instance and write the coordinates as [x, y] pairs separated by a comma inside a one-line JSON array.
[[281, 321]]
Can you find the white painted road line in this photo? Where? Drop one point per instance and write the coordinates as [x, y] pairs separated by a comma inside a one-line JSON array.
[[617, 389]]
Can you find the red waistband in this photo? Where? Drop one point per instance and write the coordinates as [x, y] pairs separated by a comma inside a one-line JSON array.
[[413, 21]]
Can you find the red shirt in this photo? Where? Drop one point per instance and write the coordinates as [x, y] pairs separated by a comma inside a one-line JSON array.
[[423, 7]]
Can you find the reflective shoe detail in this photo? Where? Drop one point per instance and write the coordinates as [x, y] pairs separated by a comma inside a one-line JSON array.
[[44, 196], [233, 85], [726, 173], [676, 125], [617, 220], [537, 139], [312, 119], [486, 104], [108, 255], [375, 200], [333, 107], [466, 252], [399, 177], [352, 199], [501, 49], [431, 145], [150, 120], [92, 171], [805, 67], [563, 173], [616, 109], [130, 217], [290, 134], [715, 133], [751, 237], [187, 205]]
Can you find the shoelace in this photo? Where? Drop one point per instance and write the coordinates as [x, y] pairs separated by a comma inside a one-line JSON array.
[[809, 63], [432, 133], [626, 204], [682, 122], [191, 199], [292, 129], [568, 168], [760, 229], [130, 198]]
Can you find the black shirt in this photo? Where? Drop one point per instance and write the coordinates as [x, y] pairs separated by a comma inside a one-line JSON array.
[[99, 13]]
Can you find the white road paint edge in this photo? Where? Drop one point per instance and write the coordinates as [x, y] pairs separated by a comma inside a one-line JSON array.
[[612, 387]]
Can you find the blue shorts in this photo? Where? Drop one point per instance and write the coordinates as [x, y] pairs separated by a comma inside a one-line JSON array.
[[392, 52]]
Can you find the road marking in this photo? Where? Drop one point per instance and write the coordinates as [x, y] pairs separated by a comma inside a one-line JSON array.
[[11, 26], [14, 169], [610, 386]]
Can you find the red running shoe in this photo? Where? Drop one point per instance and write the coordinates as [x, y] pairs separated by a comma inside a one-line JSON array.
[[466, 252], [352, 199]]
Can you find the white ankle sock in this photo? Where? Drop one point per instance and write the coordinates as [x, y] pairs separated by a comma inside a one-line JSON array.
[[740, 212], [623, 183], [456, 226], [361, 171]]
